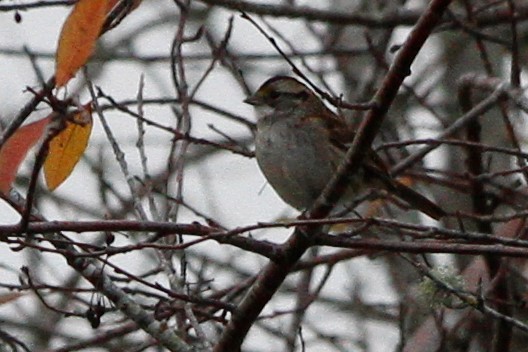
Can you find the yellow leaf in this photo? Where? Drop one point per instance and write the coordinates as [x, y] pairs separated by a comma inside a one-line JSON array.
[[78, 36], [66, 148]]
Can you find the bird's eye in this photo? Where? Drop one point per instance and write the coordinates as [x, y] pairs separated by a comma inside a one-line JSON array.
[[302, 96], [274, 94]]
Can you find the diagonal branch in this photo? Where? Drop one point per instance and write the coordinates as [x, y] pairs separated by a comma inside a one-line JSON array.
[[273, 275]]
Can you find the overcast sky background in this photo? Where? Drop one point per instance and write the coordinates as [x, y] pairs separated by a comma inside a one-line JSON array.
[[227, 187]]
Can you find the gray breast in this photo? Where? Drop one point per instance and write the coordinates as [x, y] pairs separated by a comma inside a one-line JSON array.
[[296, 162]]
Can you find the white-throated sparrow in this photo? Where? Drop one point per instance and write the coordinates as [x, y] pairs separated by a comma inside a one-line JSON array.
[[300, 143]]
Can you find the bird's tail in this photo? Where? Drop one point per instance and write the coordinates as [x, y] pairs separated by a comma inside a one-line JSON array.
[[416, 200]]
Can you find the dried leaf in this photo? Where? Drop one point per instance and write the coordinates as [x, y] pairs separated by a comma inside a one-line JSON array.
[[406, 180], [66, 148], [78, 36], [15, 150]]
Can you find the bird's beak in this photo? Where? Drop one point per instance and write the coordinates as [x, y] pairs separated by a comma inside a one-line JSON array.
[[253, 100]]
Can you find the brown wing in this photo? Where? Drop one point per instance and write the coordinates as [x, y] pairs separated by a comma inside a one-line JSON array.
[[415, 199], [342, 134], [376, 168]]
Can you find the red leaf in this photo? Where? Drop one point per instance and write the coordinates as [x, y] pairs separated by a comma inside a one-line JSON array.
[[15, 150]]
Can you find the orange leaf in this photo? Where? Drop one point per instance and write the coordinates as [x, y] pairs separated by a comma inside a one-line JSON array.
[[111, 4], [66, 148], [15, 149], [78, 36]]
